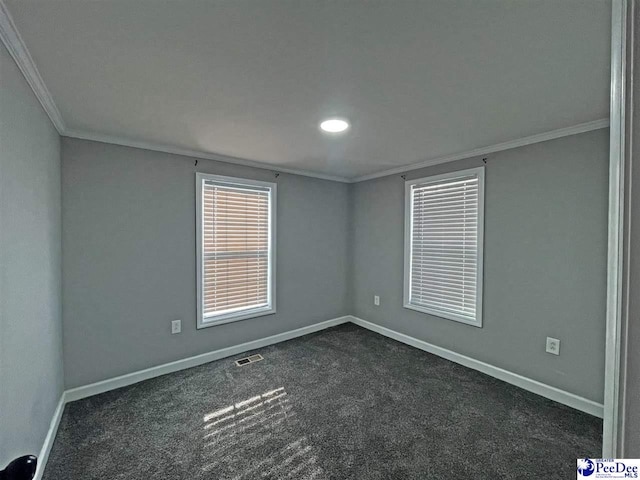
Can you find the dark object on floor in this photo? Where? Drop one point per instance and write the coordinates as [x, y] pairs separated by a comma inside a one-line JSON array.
[[344, 403], [22, 468]]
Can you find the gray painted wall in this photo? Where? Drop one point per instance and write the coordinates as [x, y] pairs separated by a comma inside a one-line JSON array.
[[545, 262], [129, 261], [31, 379], [129, 258], [632, 386]]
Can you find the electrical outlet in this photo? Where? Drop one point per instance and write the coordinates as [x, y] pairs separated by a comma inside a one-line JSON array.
[[553, 346], [376, 300], [176, 326]]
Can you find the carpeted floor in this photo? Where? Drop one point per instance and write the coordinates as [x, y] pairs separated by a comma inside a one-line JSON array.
[[344, 403]]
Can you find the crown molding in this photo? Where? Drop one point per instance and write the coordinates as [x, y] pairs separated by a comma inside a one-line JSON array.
[[518, 142], [157, 147], [18, 50]]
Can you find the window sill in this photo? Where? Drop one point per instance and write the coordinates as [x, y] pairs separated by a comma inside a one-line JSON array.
[[235, 317], [446, 315]]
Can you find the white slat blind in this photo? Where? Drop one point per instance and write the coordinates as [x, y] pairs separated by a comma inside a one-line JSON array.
[[236, 245], [445, 245]]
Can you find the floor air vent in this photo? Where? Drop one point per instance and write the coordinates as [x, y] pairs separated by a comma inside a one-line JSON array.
[[247, 360]]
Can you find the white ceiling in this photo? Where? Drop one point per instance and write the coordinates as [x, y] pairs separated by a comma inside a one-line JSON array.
[[252, 78]]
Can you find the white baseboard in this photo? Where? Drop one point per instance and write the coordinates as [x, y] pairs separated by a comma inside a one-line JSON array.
[[552, 393], [49, 439], [135, 377]]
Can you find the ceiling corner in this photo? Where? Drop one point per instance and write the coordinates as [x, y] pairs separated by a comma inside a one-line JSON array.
[[12, 40]]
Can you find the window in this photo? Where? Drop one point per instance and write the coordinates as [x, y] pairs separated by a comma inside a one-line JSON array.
[[443, 245], [235, 249]]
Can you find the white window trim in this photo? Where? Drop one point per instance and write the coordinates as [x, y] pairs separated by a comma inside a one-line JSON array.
[[408, 220], [270, 308]]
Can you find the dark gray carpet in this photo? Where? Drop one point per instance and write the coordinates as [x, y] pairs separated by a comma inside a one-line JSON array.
[[344, 403]]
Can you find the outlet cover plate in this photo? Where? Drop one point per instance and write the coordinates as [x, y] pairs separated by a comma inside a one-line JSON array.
[[553, 346], [176, 326]]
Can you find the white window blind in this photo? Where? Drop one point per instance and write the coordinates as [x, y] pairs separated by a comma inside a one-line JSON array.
[[236, 249], [443, 249]]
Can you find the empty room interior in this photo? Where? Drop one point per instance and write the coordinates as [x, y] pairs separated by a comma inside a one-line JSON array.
[[317, 239]]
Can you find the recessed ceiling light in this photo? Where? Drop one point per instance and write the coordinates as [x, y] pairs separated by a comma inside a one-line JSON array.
[[334, 125]]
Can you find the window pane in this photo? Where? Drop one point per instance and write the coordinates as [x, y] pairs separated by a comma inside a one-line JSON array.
[[235, 248], [445, 245]]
